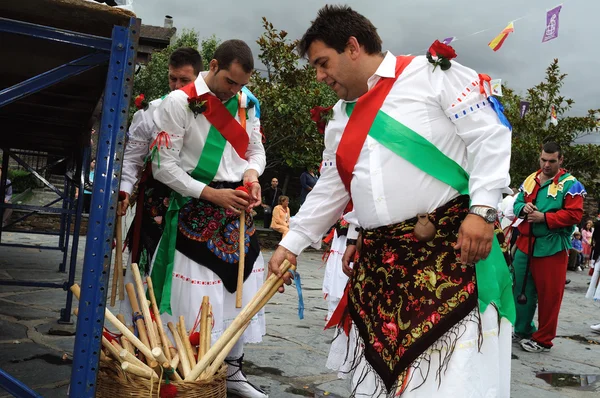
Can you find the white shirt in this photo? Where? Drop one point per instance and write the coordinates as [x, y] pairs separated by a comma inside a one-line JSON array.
[[386, 189], [188, 135], [140, 135]]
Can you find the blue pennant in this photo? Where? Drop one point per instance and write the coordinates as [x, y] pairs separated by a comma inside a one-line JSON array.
[[253, 99], [499, 109], [298, 284]]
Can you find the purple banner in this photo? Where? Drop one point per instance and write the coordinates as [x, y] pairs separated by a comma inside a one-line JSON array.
[[448, 40], [523, 108], [551, 24]]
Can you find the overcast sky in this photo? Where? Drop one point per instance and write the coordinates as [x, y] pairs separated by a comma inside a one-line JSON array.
[[410, 26]]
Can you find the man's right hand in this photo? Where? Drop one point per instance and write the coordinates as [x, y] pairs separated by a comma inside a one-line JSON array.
[[529, 208], [275, 262], [229, 199], [125, 204], [347, 259]]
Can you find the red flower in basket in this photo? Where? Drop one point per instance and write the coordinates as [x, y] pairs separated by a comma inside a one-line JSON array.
[[197, 105], [141, 102], [321, 116], [440, 54]]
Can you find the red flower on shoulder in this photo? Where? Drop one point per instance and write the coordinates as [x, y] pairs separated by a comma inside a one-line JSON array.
[[440, 54], [141, 102], [321, 116]]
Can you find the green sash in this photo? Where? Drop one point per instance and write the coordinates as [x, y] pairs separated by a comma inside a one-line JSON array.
[[205, 171], [493, 277]]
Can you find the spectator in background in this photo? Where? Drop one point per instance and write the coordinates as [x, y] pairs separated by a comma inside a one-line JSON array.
[[308, 179], [578, 250], [270, 200], [586, 235], [281, 216], [87, 187], [7, 197]]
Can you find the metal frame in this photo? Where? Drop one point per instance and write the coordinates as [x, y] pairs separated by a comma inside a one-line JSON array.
[[121, 52]]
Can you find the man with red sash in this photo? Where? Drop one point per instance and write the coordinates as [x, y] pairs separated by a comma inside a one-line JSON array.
[[209, 143], [423, 152]]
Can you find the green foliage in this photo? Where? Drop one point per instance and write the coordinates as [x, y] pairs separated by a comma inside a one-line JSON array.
[[21, 180], [287, 94], [208, 46], [530, 132]]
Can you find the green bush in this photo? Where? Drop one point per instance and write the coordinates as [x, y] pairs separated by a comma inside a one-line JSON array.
[[21, 180]]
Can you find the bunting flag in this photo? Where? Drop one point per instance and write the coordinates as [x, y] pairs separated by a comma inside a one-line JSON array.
[[497, 42], [551, 31], [496, 85], [448, 40], [553, 118], [524, 108]]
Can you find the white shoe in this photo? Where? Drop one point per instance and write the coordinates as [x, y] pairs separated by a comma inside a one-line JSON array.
[[238, 384], [595, 328], [579, 268]]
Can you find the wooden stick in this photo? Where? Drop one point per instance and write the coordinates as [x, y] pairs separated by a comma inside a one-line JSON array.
[[203, 326], [112, 350], [209, 320], [119, 254], [115, 279], [168, 368], [139, 322], [122, 328], [155, 367], [144, 304], [176, 363], [126, 356], [242, 247], [183, 359], [186, 342], [264, 294], [161, 330], [136, 370], [124, 341]]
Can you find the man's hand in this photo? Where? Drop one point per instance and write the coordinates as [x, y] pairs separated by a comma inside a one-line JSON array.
[[536, 217], [275, 262], [125, 204], [528, 208], [251, 181], [474, 239], [347, 258], [229, 199]]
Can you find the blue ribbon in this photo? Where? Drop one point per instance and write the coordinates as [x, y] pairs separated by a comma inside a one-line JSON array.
[[499, 109], [298, 284], [253, 99]]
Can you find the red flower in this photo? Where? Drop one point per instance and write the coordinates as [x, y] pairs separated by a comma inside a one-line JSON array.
[[321, 116], [440, 54], [389, 257], [378, 346], [140, 102], [434, 318], [470, 288], [197, 105], [390, 330], [212, 225]]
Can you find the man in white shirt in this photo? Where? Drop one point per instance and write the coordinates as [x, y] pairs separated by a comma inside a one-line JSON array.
[[209, 143], [421, 324], [184, 66]]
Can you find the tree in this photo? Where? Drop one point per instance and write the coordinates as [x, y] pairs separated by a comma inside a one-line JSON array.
[[207, 49], [287, 94], [531, 131]]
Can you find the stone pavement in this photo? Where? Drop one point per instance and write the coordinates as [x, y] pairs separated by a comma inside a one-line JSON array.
[[290, 363]]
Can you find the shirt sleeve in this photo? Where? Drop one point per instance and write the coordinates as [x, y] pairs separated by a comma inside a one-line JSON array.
[[136, 149], [170, 118], [255, 154], [570, 214], [487, 140], [322, 208]]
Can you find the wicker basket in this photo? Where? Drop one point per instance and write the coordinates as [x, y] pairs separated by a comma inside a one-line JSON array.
[[113, 382]]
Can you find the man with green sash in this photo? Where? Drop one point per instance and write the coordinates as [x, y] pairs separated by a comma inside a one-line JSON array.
[[209, 143], [423, 152], [551, 204]]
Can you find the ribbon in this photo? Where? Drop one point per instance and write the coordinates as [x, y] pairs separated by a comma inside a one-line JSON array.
[[252, 99], [298, 284], [499, 109], [162, 139]]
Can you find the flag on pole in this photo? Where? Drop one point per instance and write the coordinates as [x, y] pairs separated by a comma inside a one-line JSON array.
[[553, 118], [496, 87], [497, 42], [524, 108], [448, 40], [551, 31]]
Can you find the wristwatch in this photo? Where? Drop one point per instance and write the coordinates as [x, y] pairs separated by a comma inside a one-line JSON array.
[[487, 213]]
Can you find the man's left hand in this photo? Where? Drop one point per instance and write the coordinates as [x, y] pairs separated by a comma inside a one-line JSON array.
[[536, 217], [251, 182], [474, 239]]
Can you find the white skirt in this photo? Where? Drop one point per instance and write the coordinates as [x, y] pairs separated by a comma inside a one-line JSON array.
[[334, 281], [593, 291], [470, 373]]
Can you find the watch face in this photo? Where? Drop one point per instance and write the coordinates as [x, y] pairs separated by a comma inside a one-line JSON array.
[[491, 215]]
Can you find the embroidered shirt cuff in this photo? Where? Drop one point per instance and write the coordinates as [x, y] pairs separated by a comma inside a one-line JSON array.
[[295, 242], [126, 187]]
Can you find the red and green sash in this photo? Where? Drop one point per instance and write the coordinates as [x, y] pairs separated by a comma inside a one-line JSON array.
[[224, 128], [366, 118]]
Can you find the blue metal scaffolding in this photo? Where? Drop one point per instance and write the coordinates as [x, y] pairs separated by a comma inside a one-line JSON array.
[[119, 53]]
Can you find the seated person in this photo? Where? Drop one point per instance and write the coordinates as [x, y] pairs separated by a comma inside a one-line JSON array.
[[281, 216], [577, 248]]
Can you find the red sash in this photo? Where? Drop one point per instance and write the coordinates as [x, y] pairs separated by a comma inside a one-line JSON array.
[[361, 120], [221, 119]]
